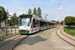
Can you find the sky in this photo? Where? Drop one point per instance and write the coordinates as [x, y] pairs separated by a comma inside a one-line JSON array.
[[56, 9]]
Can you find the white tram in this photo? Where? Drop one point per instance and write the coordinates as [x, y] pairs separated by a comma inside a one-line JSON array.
[[32, 23]]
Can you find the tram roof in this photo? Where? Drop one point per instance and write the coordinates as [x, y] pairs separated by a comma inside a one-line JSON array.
[[25, 15], [36, 17]]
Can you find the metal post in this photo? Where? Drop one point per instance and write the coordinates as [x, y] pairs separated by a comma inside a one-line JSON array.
[[3, 30], [46, 16], [7, 21], [15, 30], [18, 27], [11, 29], [6, 31]]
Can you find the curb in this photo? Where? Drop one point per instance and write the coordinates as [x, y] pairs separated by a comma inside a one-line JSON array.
[[18, 42], [10, 36], [64, 39], [67, 36]]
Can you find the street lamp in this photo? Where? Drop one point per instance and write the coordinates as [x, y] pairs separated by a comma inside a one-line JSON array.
[[46, 16], [7, 18], [7, 21]]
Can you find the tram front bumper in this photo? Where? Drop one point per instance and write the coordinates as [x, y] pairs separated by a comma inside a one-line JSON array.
[[23, 32]]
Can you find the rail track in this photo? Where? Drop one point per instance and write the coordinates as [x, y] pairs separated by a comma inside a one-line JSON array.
[[18, 42], [66, 38]]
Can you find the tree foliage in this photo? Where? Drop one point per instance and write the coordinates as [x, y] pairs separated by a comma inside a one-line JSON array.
[[61, 22], [3, 13], [57, 22], [9, 21], [14, 20], [39, 12], [69, 20], [29, 12], [53, 21], [35, 11]]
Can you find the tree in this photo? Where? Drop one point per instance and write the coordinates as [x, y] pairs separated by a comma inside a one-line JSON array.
[[53, 21], [39, 12], [3, 14], [69, 20], [9, 21], [35, 11], [14, 19], [29, 12], [61, 22], [57, 22]]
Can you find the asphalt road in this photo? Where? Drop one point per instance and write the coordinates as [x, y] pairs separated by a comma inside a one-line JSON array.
[[47, 40], [7, 44], [43, 40]]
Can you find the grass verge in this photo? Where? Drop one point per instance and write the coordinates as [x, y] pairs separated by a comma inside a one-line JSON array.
[[4, 36], [70, 30]]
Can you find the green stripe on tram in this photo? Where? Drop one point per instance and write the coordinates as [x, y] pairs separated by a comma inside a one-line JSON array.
[[23, 32]]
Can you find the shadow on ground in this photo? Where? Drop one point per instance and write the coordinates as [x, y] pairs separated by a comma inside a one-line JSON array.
[[7, 45], [33, 40]]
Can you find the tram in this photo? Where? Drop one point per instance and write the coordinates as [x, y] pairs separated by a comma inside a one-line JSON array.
[[31, 23]]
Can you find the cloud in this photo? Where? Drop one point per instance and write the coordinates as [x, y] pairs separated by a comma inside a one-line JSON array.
[[67, 15], [5, 5], [18, 13], [60, 8], [11, 13], [57, 18], [21, 12], [52, 1]]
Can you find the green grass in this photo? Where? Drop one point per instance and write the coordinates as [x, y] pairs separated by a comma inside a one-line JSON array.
[[70, 30], [4, 36]]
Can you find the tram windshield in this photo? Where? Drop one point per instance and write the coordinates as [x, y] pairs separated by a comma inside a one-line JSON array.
[[25, 22]]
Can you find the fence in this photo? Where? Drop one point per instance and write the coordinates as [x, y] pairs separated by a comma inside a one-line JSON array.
[[7, 31]]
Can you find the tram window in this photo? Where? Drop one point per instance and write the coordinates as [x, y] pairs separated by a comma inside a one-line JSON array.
[[35, 23], [25, 22], [49, 24], [42, 23], [29, 23], [45, 23]]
